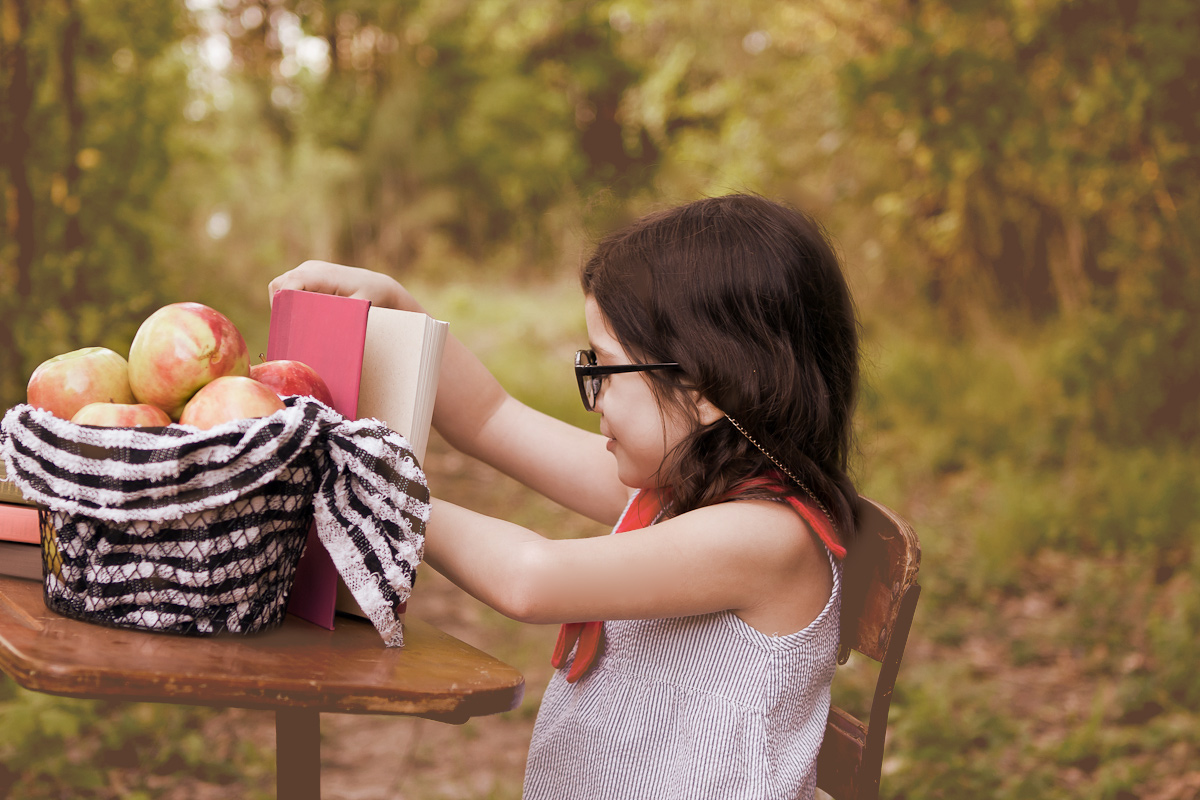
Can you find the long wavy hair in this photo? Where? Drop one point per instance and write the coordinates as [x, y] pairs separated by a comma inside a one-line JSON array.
[[748, 296]]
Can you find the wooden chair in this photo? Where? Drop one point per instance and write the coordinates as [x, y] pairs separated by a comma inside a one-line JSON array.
[[879, 597]]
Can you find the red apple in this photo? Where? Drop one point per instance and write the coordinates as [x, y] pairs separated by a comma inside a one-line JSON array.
[[229, 398], [179, 349], [122, 415], [289, 377], [64, 384]]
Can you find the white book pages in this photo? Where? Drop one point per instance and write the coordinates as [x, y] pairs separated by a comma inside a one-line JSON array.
[[402, 357], [401, 360]]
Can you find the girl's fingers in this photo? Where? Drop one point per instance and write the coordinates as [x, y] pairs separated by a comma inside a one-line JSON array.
[[323, 277]]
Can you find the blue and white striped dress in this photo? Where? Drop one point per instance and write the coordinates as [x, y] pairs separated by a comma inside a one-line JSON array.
[[690, 708]]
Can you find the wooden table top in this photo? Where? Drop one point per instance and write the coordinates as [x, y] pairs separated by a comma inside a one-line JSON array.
[[299, 665]]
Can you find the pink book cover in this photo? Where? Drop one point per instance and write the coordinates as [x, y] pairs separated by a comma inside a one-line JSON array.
[[327, 333], [19, 524]]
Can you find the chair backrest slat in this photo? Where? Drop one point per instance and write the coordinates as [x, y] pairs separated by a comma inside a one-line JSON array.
[[841, 752], [881, 565]]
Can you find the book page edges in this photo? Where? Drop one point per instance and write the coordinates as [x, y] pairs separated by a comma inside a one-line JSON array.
[[402, 358]]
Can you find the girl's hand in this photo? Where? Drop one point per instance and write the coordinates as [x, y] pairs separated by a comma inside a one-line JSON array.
[[336, 279]]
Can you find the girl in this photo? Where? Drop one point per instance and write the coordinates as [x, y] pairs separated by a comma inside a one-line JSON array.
[[722, 360]]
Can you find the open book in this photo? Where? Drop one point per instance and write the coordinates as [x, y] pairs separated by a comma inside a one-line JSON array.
[[379, 363]]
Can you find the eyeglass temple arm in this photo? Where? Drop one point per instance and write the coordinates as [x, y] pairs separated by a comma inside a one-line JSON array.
[[596, 369]]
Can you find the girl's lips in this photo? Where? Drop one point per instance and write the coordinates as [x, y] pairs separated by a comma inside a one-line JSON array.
[[612, 443]]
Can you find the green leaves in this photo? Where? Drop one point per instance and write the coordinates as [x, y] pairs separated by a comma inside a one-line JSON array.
[[101, 99], [61, 747]]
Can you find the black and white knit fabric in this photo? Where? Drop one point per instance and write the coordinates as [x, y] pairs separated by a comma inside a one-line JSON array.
[[194, 531]]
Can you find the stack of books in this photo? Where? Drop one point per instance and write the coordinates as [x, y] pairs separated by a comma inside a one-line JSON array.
[[379, 363], [20, 540]]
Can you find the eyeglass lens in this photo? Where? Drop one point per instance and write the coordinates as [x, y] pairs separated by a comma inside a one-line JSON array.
[[588, 384]]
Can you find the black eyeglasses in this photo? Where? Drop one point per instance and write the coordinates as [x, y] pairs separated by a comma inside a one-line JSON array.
[[590, 375]]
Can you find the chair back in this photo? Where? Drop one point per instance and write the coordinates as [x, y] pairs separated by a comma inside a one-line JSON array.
[[879, 598]]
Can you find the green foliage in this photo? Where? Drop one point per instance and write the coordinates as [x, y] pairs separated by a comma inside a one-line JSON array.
[[85, 194], [527, 339], [1012, 418], [468, 126], [1044, 159], [944, 735], [54, 747], [1172, 642]]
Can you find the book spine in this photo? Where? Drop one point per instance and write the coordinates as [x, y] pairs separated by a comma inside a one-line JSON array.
[[20, 560], [9, 493], [326, 333]]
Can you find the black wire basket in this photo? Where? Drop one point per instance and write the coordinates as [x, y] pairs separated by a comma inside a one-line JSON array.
[[227, 569]]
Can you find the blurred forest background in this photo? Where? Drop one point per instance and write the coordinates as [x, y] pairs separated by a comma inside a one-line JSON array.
[[1014, 185]]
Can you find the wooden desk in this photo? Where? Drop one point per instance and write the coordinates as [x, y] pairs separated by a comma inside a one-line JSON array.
[[298, 671]]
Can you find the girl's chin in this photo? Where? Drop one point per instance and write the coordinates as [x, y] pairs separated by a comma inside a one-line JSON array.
[[632, 474], [635, 479]]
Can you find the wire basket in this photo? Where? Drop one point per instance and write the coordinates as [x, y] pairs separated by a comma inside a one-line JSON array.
[[227, 569]]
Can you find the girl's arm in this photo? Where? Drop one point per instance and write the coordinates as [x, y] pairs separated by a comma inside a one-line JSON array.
[[756, 558], [477, 416]]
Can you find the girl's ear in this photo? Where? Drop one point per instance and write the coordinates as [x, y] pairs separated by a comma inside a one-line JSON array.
[[706, 411]]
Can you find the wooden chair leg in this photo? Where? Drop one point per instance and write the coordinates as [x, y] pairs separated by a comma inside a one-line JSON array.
[[297, 754]]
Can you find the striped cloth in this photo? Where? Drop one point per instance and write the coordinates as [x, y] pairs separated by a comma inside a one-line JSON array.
[[690, 708], [151, 486]]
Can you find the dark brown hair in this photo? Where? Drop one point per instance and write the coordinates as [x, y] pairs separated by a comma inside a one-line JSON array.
[[748, 296]]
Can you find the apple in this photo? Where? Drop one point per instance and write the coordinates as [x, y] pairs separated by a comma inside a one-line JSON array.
[[121, 415], [66, 383], [289, 377], [179, 349], [228, 398]]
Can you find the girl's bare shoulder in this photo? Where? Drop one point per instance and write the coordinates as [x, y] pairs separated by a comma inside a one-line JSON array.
[[784, 567], [767, 525]]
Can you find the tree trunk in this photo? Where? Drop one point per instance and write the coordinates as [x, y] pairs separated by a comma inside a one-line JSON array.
[[20, 104], [73, 238], [14, 155]]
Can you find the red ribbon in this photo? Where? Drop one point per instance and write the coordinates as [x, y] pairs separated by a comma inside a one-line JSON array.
[[590, 635]]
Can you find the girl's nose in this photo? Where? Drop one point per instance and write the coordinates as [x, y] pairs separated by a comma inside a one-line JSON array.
[[598, 402]]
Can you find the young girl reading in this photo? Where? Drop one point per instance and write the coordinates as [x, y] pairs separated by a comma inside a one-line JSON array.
[[723, 361]]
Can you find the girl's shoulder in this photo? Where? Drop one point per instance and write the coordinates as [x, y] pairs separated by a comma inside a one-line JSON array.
[[777, 554], [756, 558], [758, 533]]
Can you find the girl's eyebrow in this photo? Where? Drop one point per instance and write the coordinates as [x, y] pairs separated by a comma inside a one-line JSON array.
[[599, 351]]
